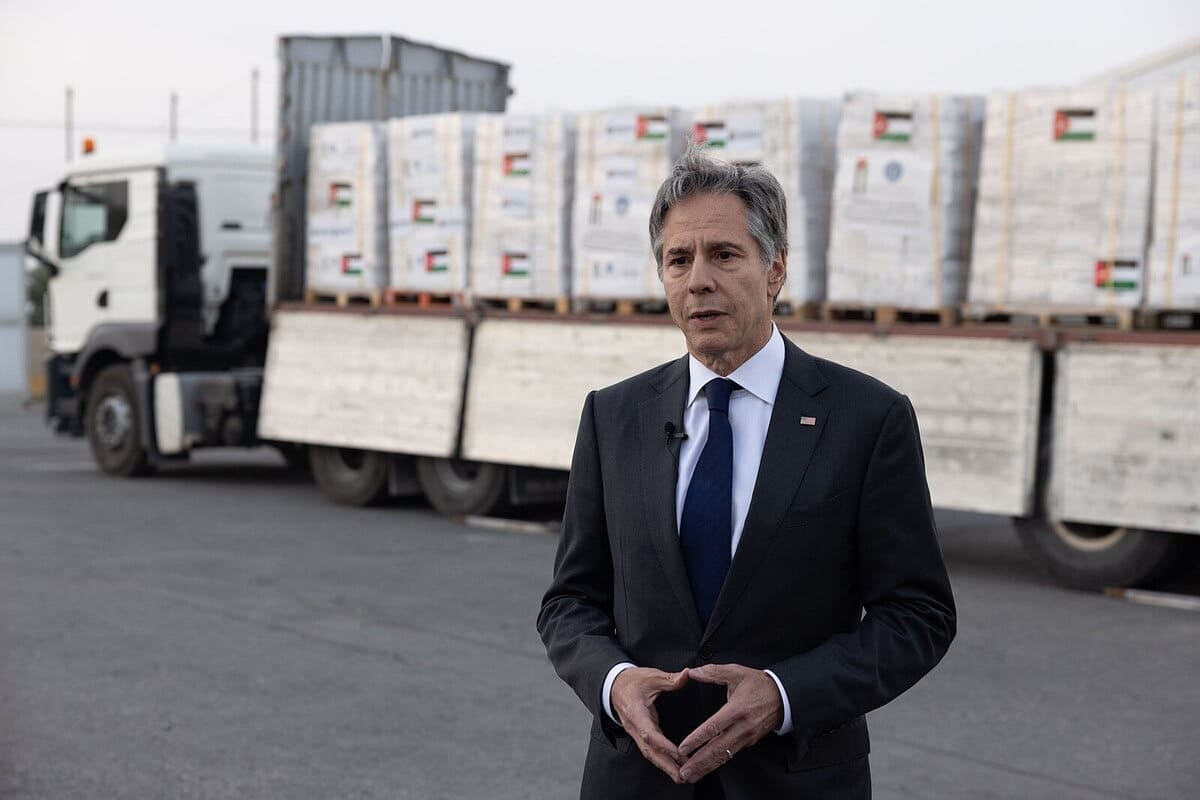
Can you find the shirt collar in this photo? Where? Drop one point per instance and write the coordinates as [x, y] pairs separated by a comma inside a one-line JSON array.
[[759, 375]]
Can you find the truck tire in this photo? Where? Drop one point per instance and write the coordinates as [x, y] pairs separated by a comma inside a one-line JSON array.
[[457, 487], [113, 423], [347, 476], [1094, 557]]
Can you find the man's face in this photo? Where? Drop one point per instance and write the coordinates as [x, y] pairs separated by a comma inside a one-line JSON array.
[[718, 291]]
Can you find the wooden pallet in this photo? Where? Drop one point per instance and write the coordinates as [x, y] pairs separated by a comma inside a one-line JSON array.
[[798, 311], [1167, 320], [623, 307], [887, 315], [367, 297], [558, 305], [1042, 317], [401, 298]]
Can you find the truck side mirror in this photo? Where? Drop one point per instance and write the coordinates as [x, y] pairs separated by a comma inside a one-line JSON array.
[[37, 221], [35, 242]]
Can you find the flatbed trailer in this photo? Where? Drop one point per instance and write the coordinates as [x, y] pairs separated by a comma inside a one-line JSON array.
[[1087, 438]]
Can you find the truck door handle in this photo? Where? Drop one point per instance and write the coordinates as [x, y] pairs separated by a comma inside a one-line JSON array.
[[102, 299]]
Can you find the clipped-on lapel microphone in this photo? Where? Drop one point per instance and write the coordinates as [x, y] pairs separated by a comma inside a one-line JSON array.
[[672, 436]]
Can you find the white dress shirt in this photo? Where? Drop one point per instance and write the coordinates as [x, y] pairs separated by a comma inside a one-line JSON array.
[[750, 409]]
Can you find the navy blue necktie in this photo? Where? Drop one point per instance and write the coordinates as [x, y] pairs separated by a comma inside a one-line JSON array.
[[706, 526]]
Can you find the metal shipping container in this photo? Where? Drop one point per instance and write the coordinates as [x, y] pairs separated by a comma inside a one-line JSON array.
[[355, 78]]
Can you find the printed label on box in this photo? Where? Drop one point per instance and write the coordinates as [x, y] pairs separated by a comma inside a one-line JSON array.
[[516, 203], [623, 128], [352, 264], [620, 170]]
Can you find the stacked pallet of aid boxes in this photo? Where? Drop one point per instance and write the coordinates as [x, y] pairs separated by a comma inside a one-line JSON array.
[[1064, 201], [901, 220], [346, 228], [520, 237], [621, 158], [795, 140], [1173, 282], [430, 161]]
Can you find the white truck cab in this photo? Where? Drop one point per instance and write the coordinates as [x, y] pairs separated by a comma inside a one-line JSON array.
[[158, 261]]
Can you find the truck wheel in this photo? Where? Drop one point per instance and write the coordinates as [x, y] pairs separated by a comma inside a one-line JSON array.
[[457, 487], [1093, 557], [113, 423], [348, 476]]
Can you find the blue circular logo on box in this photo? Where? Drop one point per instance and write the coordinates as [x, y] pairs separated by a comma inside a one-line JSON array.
[[893, 171], [622, 204]]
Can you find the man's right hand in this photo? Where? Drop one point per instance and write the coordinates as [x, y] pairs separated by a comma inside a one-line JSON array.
[[633, 694]]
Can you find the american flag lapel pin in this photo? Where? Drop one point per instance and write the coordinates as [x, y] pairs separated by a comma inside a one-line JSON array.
[[808, 421]]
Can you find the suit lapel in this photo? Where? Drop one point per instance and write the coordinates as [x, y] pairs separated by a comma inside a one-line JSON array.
[[659, 473], [786, 455]]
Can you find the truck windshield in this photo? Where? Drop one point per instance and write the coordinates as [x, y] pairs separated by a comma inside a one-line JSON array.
[[91, 214]]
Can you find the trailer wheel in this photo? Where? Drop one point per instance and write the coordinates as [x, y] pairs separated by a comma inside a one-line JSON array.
[[113, 423], [1093, 557], [348, 476], [454, 486]]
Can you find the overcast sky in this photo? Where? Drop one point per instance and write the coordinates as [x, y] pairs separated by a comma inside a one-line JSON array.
[[124, 57]]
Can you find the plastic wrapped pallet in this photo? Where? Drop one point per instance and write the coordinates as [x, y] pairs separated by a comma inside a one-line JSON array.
[[795, 140], [1064, 201], [621, 158], [430, 163], [520, 232], [1173, 281], [901, 220], [346, 235]]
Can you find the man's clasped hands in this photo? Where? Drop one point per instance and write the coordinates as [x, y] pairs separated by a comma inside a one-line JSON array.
[[753, 708]]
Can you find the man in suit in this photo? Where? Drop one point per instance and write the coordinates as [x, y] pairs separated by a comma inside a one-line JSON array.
[[731, 515]]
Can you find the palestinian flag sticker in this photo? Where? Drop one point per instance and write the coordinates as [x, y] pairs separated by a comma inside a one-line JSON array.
[[649, 127], [709, 134], [437, 260], [514, 265], [517, 164], [341, 195], [1075, 125], [1117, 274], [893, 126], [424, 210], [352, 264]]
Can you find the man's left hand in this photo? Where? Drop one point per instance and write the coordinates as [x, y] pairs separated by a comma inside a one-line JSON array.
[[753, 708]]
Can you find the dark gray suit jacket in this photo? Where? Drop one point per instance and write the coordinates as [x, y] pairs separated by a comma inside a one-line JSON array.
[[840, 521]]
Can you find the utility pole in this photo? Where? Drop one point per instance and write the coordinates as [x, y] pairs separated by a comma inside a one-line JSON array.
[[254, 106], [173, 127], [69, 125]]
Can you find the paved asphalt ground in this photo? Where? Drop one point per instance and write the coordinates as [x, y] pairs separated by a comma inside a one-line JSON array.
[[221, 631]]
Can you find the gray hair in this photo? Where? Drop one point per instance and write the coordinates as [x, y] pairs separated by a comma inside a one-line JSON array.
[[697, 173]]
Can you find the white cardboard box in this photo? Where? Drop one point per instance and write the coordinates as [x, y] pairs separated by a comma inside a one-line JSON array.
[[430, 163], [346, 232], [1064, 200], [622, 156], [520, 237], [901, 219]]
